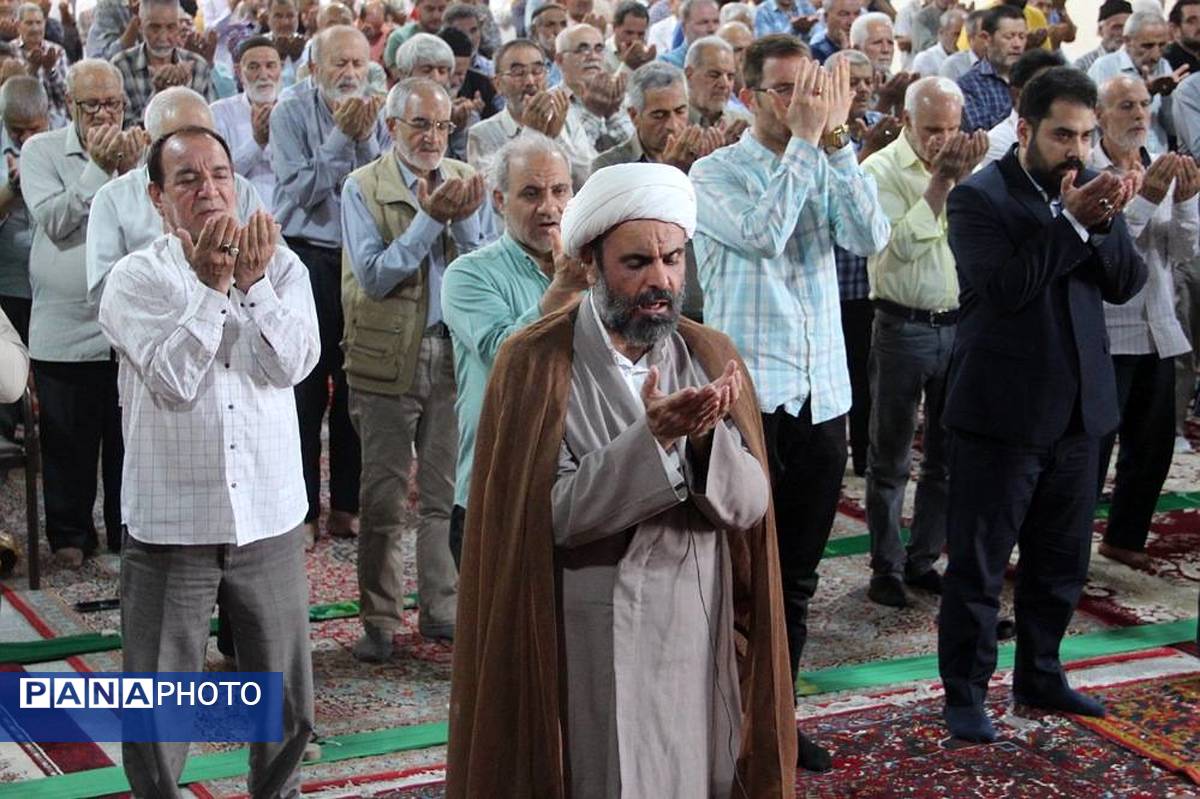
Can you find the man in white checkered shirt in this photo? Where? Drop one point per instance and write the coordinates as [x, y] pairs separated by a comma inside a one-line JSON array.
[[215, 324]]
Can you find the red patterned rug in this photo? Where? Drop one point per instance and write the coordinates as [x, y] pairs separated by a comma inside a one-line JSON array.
[[1157, 719]]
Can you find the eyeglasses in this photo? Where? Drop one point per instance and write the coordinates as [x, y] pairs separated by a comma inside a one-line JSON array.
[[520, 71], [584, 49], [92, 107], [425, 125]]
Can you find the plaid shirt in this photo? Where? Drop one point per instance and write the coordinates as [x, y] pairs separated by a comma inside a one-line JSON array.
[[766, 226], [853, 283], [988, 100], [139, 85], [770, 18], [603, 133], [54, 81]]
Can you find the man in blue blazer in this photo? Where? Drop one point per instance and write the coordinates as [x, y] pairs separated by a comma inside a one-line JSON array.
[[1039, 243]]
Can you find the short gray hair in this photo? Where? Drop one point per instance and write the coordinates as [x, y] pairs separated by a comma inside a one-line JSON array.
[[564, 36], [856, 58], [1141, 19], [146, 5], [21, 9], [397, 99], [736, 12], [933, 84], [166, 104], [22, 97], [90, 65], [530, 142], [696, 49], [651, 76], [457, 11], [859, 30], [685, 10], [423, 48], [318, 42], [949, 17]]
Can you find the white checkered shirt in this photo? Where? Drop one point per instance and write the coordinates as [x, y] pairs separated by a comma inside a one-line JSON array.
[[212, 446]]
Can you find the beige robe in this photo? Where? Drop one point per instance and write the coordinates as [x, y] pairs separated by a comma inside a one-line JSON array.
[[653, 707]]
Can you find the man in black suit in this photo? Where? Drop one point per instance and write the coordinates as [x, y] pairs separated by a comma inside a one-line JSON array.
[[1039, 242]]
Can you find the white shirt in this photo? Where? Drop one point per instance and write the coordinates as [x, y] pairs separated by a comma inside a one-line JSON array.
[[59, 183], [212, 444], [124, 220], [1164, 235], [1119, 63], [485, 139], [1000, 139], [930, 60], [957, 65], [231, 117], [661, 34]]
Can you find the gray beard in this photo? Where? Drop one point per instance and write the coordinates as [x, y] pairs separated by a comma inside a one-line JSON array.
[[617, 315]]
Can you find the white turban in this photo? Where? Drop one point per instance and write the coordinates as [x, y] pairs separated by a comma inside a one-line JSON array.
[[619, 193]]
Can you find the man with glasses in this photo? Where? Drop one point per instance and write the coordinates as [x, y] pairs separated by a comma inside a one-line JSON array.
[[596, 96], [76, 375], [319, 134], [159, 62], [521, 71], [405, 217]]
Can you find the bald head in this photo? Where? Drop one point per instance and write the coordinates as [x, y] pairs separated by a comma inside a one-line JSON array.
[[334, 14], [175, 108], [932, 114], [339, 42]]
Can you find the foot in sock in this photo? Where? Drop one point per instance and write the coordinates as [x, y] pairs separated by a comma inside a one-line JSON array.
[[1063, 700], [969, 723], [811, 757]]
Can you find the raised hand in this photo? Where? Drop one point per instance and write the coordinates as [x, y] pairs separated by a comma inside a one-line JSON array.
[[636, 53], [803, 24], [103, 146], [260, 123], [134, 143], [875, 138], [133, 29], [806, 111], [890, 97], [1167, 83], [605, 93], [444, 202], [976, 149], [598, 22], [546, 112], [713, 139], [837, 85], [65, 16], [731, 132], [202, 44], [1156, 181], [1036, 39], [680, 151], [474, 192], [211, 256], [256, 247], [1095, 202], [461, 108], [691, 411], [1187, 179]]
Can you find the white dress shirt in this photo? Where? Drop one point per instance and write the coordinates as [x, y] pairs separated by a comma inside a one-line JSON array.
[[124, 220], [1164, 235], [212, 445], [930, 60], [231, 117], [958, 64], [487, 137], [59, 183], [1001, 138]]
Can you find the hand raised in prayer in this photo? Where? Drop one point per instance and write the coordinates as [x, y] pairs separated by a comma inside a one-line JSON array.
[[680, 151], [10, 68], [840, 95], [1187, 179], [690, 411], [202, 44], [65, 15], [461, 108], [731, 132], [260, 122], [133, 30], [605, 93], [546, 112], [806, 111], [729, 386], [1036, 39], [876, 137], [803, 24], [959, 155], [134, 143], [636, 53], [1156, 181], [598, 22], [890, 97], [103, 146], [571, 276], [1095, 202], [256, 247], [211, 256]]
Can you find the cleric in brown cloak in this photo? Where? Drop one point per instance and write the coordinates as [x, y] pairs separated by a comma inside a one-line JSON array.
[[620, 628]]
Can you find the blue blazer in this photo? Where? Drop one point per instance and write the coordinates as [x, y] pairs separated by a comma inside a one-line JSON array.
[[1031, 344]]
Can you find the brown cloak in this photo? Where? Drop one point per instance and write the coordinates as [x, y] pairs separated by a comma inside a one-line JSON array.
[[505, 698]]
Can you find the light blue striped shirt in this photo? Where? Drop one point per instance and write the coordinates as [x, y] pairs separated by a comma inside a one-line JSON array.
[[765, 232]]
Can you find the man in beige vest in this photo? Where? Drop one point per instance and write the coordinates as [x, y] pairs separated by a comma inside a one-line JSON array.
[[405, 217]]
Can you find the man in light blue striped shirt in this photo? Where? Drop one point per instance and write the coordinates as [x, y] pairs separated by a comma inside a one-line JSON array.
[[771, 208]]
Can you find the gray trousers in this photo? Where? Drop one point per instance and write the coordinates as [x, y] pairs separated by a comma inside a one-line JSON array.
[[1187, 309], [907, 360], [167, 598], [389, 427]]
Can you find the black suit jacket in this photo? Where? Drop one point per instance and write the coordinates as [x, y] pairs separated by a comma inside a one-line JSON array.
[[1031, 342]]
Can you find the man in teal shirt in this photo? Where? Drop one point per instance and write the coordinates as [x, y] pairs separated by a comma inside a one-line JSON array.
[[491, 293]]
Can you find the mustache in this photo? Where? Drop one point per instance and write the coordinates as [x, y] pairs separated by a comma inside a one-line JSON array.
[[651, 296]]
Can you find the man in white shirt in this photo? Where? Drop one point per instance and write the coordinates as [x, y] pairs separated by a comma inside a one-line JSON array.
[[960, 63], [1147, 36], [215, 324], [927, 62], [521, 73], [244, 119], [1145, 335], [61, 171]]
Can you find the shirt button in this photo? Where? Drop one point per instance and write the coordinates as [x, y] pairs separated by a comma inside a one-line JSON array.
[[231, 407], [251, 305], [222, 312], [227, 365], [233, 485], [233, 446]]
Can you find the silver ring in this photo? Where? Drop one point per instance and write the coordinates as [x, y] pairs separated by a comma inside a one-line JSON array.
[[233, 251], [1106, 204]]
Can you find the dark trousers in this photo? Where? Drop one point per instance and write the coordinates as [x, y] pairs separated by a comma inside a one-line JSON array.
[[807, 464], [857, 317], [1042, 499], [1146, 393], [313, 394], [80, 423], [458, 526], [17, 311], [909, 360]]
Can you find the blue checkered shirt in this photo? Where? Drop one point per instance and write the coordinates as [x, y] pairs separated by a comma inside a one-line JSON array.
[[766, 227], [988, 100], [770, 18]]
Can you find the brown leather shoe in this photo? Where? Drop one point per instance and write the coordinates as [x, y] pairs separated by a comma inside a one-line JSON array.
[[342, 524], [1134, 560]]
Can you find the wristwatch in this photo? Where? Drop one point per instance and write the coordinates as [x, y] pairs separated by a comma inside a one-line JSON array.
[[836, 139]]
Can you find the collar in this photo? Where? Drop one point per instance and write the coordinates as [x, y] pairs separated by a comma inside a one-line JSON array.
[[756, 149], [141, 57], [624, 364], [1127, 65], [985, 67], [519, 254], [1046, 198], [71, 143], [1099, 159], [906, 156], [507, 123], [948, 53], [635, 148]]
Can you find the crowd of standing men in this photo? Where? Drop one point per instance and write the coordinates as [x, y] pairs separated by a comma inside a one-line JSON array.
[[227, 229]]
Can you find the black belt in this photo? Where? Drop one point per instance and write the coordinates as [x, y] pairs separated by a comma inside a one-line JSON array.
[[931, 318], [437, 330]]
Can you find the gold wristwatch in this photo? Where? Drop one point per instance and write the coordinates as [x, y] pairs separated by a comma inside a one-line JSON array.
[[836, 139]]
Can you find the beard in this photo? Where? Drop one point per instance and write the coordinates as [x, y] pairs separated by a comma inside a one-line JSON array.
[[1049, 176], [160, 52], [619, 313], [262, 91], [426, 160], [345, 89]]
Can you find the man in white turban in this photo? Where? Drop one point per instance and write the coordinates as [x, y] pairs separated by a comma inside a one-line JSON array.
[[620, 477]]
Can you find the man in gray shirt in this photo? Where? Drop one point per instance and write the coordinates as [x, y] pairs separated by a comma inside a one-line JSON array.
[[319, 135]]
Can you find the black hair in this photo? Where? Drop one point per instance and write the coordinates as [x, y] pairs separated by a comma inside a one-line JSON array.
[[634, 8], [991, 20], [1057, 83], [777, 45], [1032, 62], [1176, 15], [154, 161], [460, 43]]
